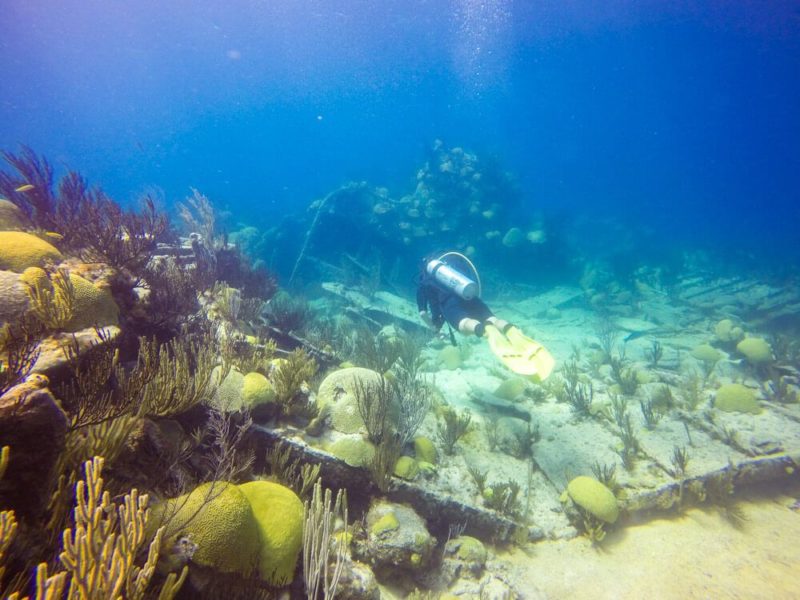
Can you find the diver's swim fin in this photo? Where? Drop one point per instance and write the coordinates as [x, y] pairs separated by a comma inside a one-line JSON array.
[[520, 353]]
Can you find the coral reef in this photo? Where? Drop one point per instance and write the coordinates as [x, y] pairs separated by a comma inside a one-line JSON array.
[[20, 250]]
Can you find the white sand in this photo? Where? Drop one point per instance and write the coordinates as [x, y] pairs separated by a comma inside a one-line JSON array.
[[698, 554]]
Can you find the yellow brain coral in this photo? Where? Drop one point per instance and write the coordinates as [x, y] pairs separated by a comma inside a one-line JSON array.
[[594, 497], [355, 451], [257, 389], [20, 250], [92, 305], [279, 515], [218, 519], [756, 350], [252, 529], [336, 392], [734, 397]]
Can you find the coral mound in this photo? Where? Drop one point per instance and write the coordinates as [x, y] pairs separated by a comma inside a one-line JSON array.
[[279, 515], [217, 517], [594, 497], [251, 529], [20, 250], [734, 397]]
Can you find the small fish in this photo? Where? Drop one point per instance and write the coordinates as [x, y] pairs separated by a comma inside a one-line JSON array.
[[54, 235], [24, 188], [634, 335]]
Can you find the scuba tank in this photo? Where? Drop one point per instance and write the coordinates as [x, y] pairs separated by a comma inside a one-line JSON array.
[[451, 279]]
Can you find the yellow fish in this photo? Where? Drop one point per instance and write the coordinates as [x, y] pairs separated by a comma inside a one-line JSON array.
[[54, 235], [24, 188]]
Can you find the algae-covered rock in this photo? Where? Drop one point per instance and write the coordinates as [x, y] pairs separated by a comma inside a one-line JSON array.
[[13, 297], [463, 556], [397, 538], [35, 426], [357, 582], [594, 497], [20, 250], [756, 350], [385, 524], [734, 397], [279, 514], [11, 217]]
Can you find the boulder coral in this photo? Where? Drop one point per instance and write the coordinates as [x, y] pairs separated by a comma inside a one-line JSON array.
[[425, 450], [337, 396], [354, 450], [594, 497], [406, 468], [228, 394], [727, 331], [756, 350], [218, 519], [279, 514], [20, 250], [93, 305], [252, 530], [734, 397], [706, 353], [256, 390]]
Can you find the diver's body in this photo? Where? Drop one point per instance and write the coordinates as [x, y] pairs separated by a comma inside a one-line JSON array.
[[449, 290], [438, 303]]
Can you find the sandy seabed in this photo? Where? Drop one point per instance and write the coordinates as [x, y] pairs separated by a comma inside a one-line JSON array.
[[697, 554]]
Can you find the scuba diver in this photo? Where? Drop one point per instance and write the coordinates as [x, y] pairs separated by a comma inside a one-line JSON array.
[[449, 290]]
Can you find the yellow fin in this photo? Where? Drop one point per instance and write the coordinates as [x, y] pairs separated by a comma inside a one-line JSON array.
[[24, 188], [520, 354]]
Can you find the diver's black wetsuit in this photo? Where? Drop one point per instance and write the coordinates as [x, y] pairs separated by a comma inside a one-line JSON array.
[[447, 306]]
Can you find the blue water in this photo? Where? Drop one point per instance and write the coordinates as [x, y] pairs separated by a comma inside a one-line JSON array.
[[678, 118]]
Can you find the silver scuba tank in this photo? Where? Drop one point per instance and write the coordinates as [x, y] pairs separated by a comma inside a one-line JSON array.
[[450, 279]]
